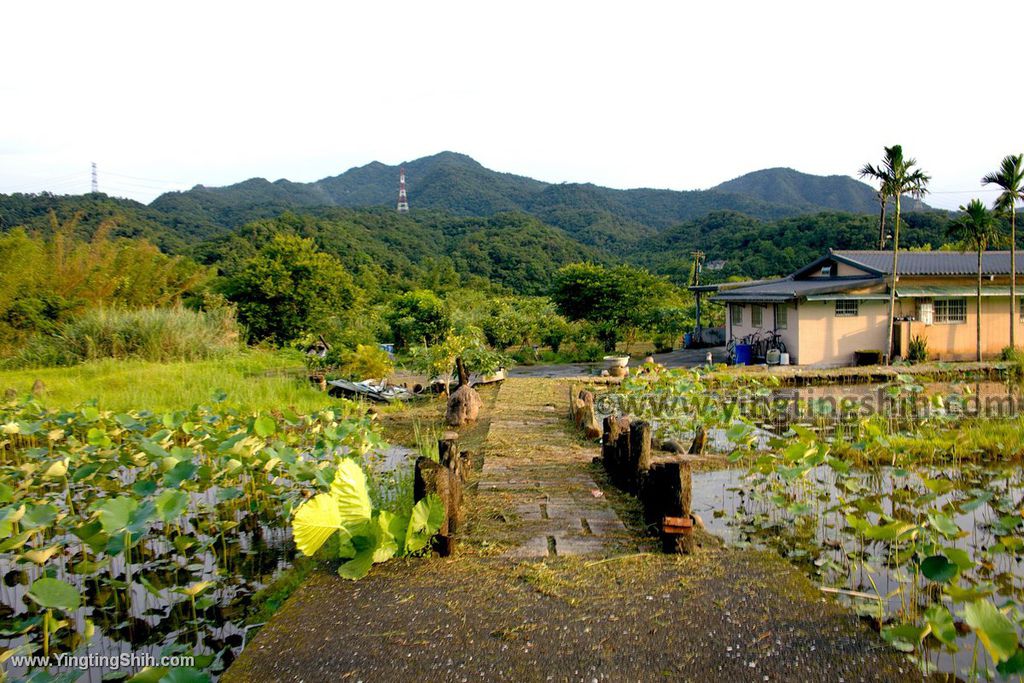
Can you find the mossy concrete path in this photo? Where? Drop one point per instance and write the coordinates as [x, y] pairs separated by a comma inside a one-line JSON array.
[[533, 471], [593, 606]]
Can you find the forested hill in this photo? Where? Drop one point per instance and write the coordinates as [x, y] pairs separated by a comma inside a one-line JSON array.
[[810, 192], [455, 183]]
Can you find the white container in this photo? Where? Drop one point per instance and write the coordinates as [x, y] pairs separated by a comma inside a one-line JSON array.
[[617, 361], [784, 359]]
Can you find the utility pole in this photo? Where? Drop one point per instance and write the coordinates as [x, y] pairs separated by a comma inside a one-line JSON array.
[[403, 201], [698, 265], [95, 179]]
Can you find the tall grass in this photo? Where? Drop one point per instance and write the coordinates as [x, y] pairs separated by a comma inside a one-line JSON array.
[[253, 380], [153, 334]]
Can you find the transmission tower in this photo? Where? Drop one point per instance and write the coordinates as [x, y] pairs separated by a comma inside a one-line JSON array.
[[403, 201], [95, 179]]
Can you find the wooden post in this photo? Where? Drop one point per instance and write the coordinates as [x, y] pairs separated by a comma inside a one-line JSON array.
[[610, 443], [622, 453], [639, 453], [667, 493]]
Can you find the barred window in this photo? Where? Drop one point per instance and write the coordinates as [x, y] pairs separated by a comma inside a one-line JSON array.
[[756, 315], [847, 308], [736, 314], [950, 311], [781, 316]]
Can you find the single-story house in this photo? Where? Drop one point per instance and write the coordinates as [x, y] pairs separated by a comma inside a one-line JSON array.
[[839, 304]]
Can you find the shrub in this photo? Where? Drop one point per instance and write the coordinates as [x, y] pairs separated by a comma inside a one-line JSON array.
[[418, 317], [153, 334], [917, 350]]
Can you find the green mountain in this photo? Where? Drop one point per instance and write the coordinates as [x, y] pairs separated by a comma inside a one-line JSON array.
[[810, 192]]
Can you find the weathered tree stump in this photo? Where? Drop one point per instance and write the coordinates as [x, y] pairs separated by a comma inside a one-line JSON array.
[[463, 406], [700, 439], [445, 479]]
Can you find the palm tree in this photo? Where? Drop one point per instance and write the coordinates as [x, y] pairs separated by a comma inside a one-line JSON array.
[[1010, 177], [897, 177], [878, 173], [976, 227]]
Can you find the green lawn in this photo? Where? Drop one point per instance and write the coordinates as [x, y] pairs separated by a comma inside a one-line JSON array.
[[253, 380]]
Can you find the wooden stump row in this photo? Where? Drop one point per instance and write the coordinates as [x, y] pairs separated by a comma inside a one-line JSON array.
[[663, 484], [446, 478]]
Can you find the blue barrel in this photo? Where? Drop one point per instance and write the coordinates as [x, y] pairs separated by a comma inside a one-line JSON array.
[[744, 354], [687, 340]]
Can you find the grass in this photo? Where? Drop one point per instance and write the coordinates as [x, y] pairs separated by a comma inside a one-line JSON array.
[[153, 334], [253, 380]]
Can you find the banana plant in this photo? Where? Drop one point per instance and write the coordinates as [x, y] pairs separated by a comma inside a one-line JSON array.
[[364, 536]]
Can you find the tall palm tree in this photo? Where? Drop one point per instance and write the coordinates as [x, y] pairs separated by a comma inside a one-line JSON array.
[[976, 227], [1010, 178], [878, 173], [897, 177]]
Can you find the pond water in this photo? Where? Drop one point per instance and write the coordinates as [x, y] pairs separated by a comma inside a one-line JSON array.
[[136, 618], [807, 522]]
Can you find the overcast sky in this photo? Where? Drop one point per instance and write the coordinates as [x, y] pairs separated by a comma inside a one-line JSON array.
[[166, 95]]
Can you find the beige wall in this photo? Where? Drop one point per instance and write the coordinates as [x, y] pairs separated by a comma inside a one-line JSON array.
[[958, 341], [827, 340]]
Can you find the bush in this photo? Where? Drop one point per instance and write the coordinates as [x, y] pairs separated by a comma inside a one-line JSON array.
[[418, 317], [153, 334], [917, 350]]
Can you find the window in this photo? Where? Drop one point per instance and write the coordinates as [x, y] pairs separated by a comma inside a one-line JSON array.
[[781, 316], [950, 311], [826, 271], [1020, 309], [756, 315], [847, 308], [735, 314]]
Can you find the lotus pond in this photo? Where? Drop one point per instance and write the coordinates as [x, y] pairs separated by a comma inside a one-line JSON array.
[[916, 520], [154, 533]]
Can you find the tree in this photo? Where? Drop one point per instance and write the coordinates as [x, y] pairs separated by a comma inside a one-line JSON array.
[[1010, 178], [418, 317], [977, 228], [617, 301], [289, 288], [897, 177], [878, 173]]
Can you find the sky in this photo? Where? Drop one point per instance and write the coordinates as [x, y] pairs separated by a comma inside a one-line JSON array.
[[675, 95]]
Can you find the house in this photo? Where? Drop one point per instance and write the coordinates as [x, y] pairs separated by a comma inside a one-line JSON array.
[[839, 304]]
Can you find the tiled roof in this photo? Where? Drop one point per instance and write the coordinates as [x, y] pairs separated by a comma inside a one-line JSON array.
[[786, 289], [934, 262]]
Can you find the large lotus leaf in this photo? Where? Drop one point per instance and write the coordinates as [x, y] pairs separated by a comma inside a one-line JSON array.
[[939, 568], [55, 594], [350, 493], [170, 504], [996, 632], [264, 426], [183, 471], [427, 517], [115, 514], [315, 521], [39, 516], [941, 623]]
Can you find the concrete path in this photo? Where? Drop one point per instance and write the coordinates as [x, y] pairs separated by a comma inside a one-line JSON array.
[[543, 478]]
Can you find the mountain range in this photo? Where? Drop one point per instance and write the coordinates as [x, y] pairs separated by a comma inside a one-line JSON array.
[[457, 184]]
